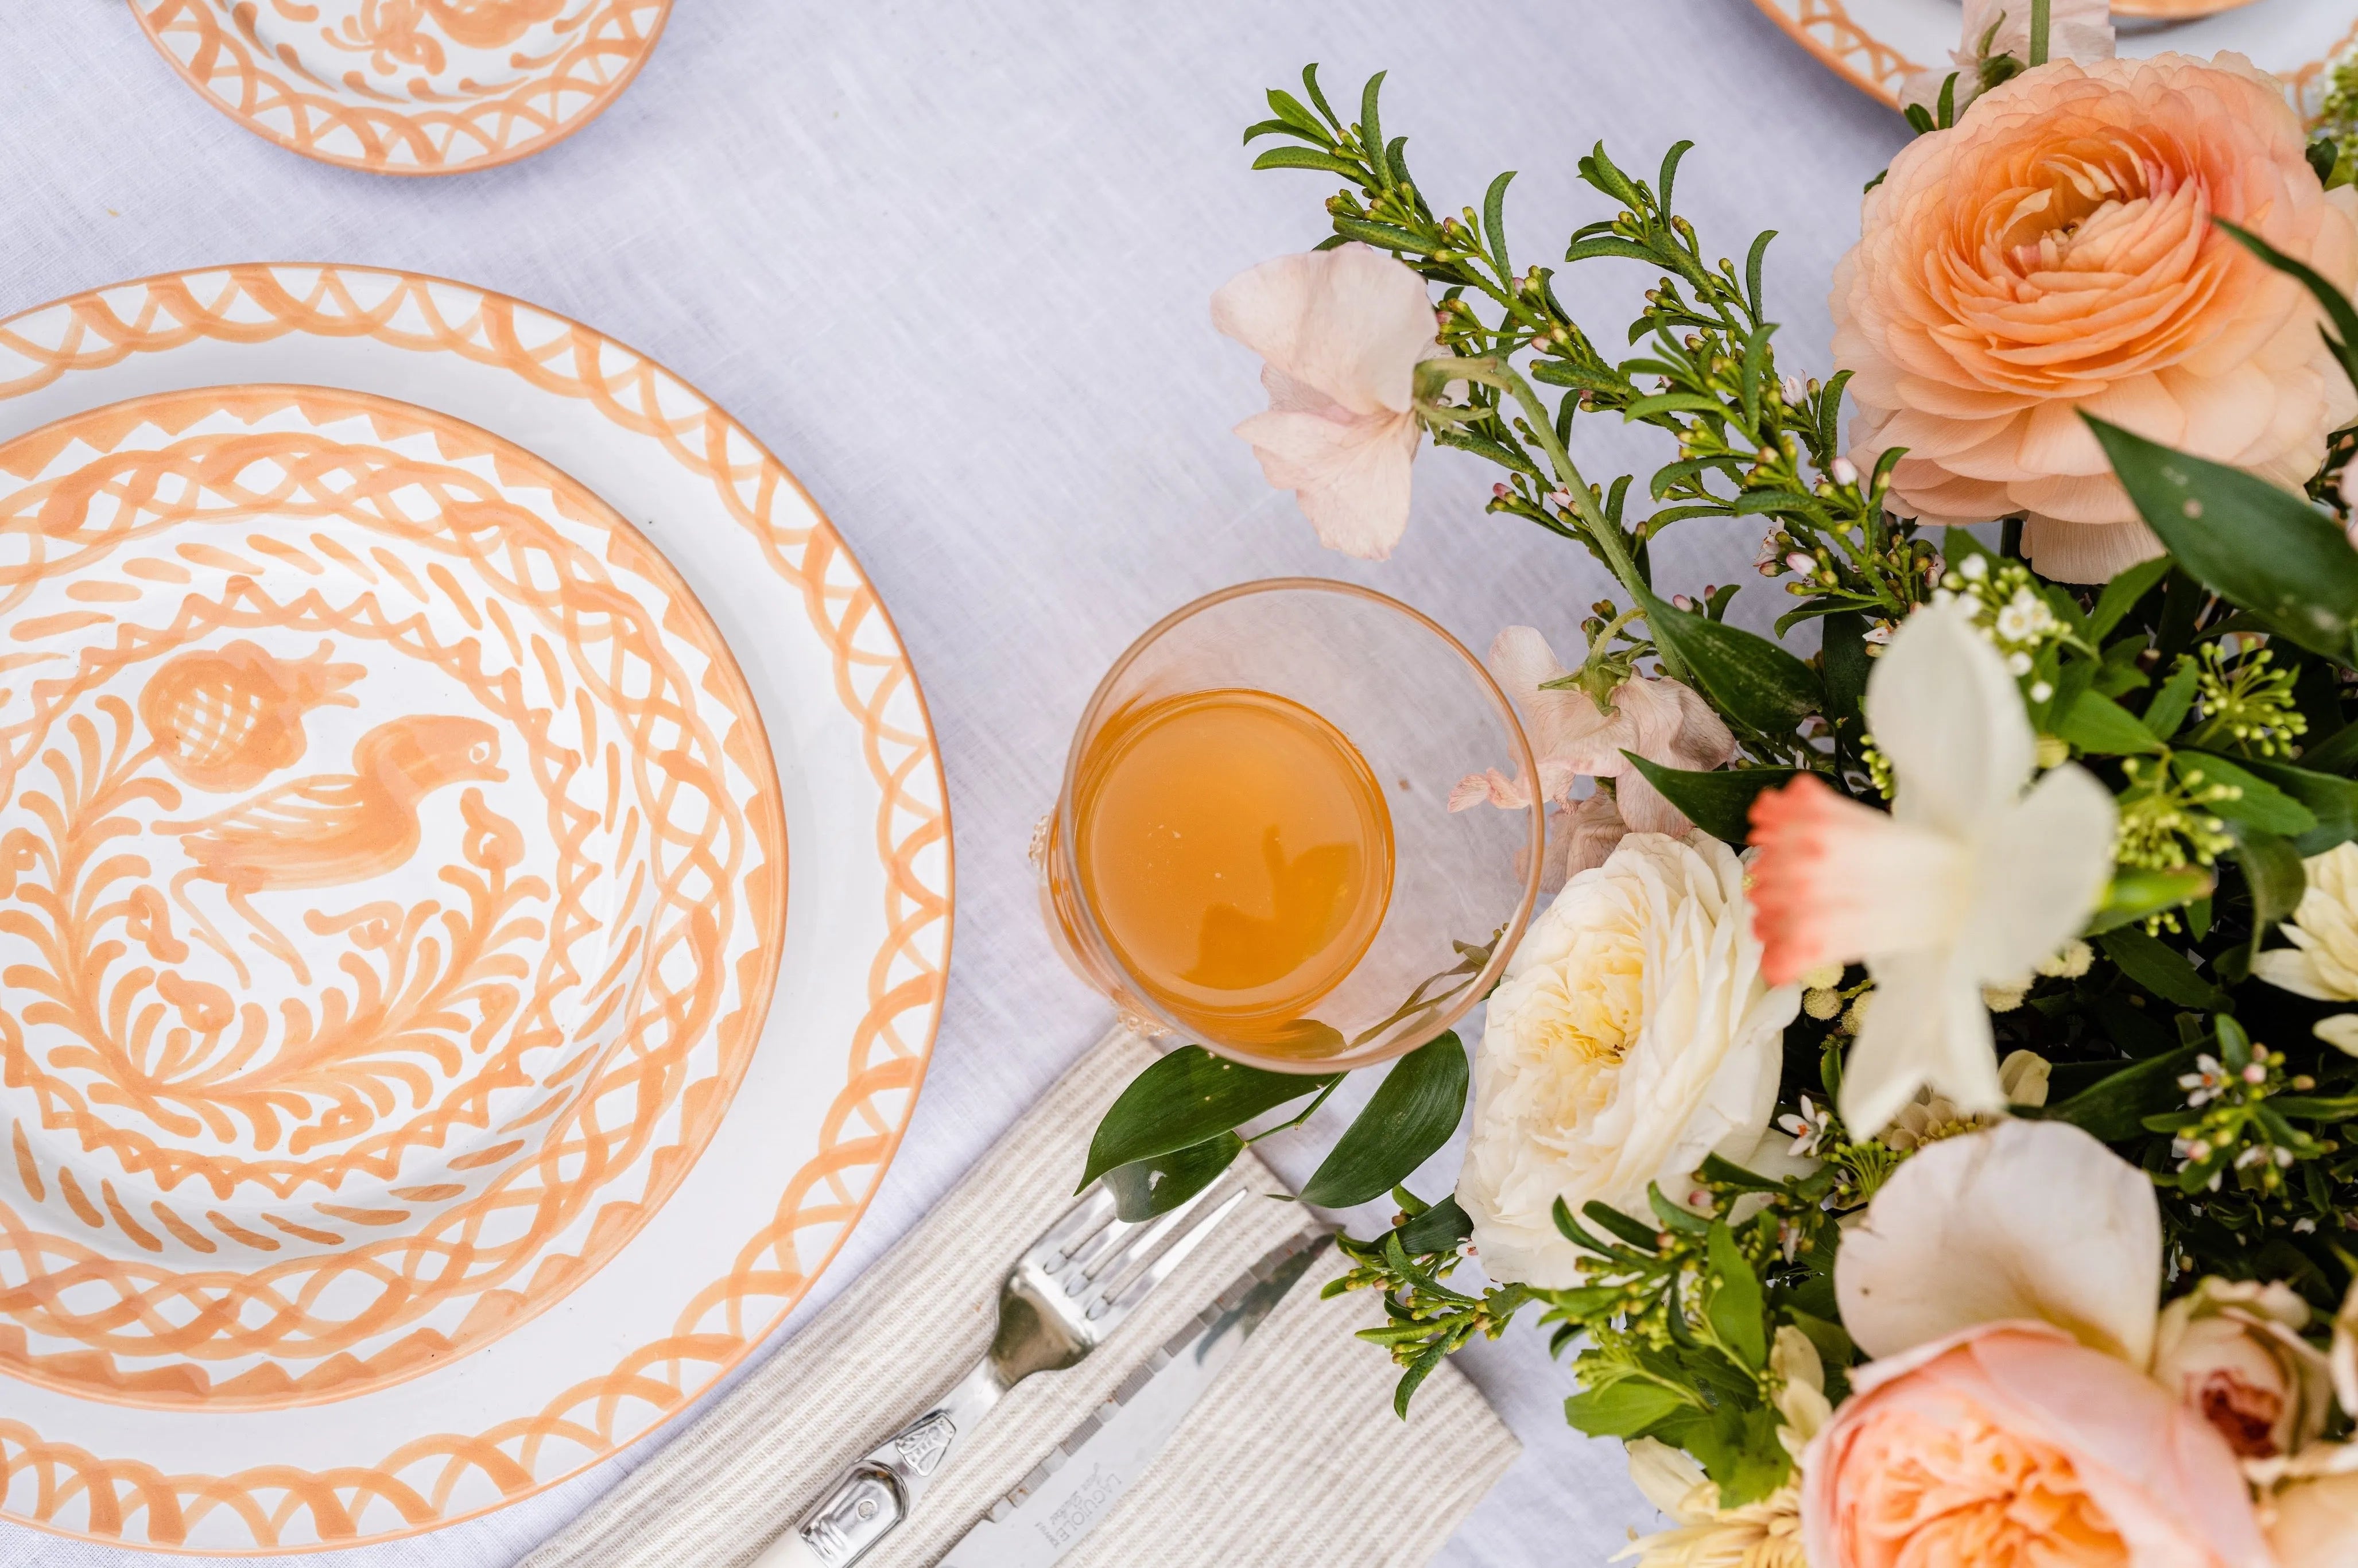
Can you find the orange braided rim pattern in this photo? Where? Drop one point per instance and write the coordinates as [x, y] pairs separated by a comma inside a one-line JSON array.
[[152, 1309], [283, 1508], [216, 47], [1827, 30]]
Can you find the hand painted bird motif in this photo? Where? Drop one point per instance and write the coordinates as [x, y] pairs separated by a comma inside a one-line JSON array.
[[224, 719], [329, 829]]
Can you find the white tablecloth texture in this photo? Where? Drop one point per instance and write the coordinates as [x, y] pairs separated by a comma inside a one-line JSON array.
[[951, 263]]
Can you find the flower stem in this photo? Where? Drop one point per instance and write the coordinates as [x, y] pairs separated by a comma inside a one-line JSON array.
[[1435, 374], [2039, 10]]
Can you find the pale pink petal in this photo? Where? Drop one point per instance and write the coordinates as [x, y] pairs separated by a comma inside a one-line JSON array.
[[1350, 475], [1646, 810], [1596, 831], [1351, 322], [2026, 1219], [1675, 726]]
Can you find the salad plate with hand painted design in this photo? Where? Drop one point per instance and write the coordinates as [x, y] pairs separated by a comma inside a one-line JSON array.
[[419, 721], [408, 86], [1877, 44]]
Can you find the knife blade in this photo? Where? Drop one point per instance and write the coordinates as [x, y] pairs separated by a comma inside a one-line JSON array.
[[1067, 1493]]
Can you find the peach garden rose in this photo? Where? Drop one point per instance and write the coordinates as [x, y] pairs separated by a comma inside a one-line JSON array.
[[2055, 251]]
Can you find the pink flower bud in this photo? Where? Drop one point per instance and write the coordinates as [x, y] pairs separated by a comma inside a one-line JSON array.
[[1682, 602], [1498, 490], [1845, 472], [1801, 564]]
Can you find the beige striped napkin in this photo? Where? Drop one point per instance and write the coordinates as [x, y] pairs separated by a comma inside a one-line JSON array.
[[1293, 1457]]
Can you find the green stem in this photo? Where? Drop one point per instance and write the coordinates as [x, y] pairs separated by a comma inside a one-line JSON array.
[[2039, 10], [1434, 375]]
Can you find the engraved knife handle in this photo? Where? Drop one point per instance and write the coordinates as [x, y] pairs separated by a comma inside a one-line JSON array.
[[870, 1500]]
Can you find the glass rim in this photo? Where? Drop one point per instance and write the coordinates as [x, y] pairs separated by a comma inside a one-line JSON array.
[[1509, 935]]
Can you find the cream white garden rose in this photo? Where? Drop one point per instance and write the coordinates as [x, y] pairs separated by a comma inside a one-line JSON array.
[[2322, 962], [1632, 1035]]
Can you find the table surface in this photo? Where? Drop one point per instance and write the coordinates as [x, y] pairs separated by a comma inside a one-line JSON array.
[[951, 263]]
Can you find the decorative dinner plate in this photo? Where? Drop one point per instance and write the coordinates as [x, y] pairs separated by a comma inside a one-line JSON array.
[[408, 86], [475, 895], [1878, 44]]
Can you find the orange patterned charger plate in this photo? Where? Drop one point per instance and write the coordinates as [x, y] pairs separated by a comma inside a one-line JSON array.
[[394, 882], [1875, 45], [408, 86]]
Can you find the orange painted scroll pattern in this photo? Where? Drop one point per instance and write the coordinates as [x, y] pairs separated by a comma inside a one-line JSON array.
[[594, 1080], [436, 1479], [1826, 29], [329, 108]]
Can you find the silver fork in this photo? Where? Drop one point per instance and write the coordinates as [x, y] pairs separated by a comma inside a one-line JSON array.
[[1068, 1293]]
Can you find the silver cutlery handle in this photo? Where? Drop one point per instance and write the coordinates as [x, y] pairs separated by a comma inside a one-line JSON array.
[[870, 1500]]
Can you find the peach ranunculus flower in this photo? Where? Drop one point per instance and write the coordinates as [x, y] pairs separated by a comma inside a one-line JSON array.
[[1661, 720], [1342, 332], [2056, 252], [2012, 1445]]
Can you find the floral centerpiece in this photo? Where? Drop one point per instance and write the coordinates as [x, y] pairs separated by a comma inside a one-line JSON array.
[[1923, 1113]]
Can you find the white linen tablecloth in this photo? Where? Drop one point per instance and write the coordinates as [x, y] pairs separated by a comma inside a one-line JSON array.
[[951, 263]]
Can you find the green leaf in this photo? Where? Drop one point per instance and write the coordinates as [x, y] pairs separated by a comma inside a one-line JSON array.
[[2115, 1109], [1184, 1099], [2121, 595], [1417, 1371], [1494, 221], [1145, 1188], [2337, 754], [2162, 970], [1372, 128], [2262, 548], [2166, 711], [1843, 654], [1290, 109], [1444, 1227], [2261, 805], [1624, 1410], [1732, 1305], [2134, 895], [1383, 236], [2273, 867], [1719, 802], [1414, 1110], [1738, 1449], [1308, 157], [2333, 801], [1747, 677], [2103, 728]]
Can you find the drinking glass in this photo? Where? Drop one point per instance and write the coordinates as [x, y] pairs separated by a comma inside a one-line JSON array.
[[1423, 713]]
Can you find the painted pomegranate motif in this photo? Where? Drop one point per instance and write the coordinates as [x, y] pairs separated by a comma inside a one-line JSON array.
[[225, 719]]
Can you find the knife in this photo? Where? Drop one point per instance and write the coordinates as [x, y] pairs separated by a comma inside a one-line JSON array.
[[1076, 1485]]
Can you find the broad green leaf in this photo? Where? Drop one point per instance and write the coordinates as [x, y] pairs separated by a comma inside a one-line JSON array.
[[1444, 1227], [1417, 1371], [1145, 1188], [1719, 802], [1738, 1449], [1747, 677], [1843, 654], [2166, 711], [1186, 1098], [2115, 1109], [2103, 728], [2260, 804], [2263, 548], [2161, 970], [1624, 1410], [2337, 754], [2134, 895], [2121, 595], [1411, 1115], [1733, 1304], [2333, 801], [2272, 866]]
